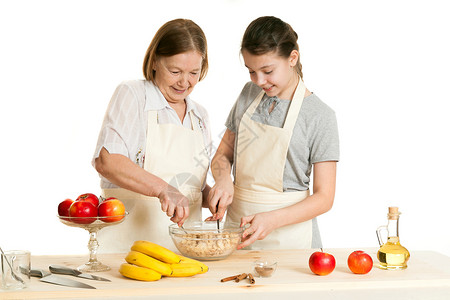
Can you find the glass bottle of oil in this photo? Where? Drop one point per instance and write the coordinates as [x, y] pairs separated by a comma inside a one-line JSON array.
[[392, 255]]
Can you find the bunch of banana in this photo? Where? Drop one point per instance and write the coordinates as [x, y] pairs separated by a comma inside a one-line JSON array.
[[148, 261], [187, 260], [139, 273]]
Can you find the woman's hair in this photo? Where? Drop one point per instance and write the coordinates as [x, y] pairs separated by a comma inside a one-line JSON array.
[[268, 34], [175, 37]]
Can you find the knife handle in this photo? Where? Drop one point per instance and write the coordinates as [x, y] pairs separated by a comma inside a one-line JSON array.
[[63, 270], [39, 273]]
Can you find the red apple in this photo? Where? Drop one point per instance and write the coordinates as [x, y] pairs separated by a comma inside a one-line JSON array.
[[360, 262], [63, 208], [89, 198], [322, 263], [112, 208], [84, 211]]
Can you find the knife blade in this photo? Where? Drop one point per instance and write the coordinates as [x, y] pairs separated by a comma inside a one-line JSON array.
[[218, 221], [55, 269], [55, 279]]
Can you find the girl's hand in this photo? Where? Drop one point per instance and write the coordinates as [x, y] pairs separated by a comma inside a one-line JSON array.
[[174, 204], [220, 196], [260, 226]]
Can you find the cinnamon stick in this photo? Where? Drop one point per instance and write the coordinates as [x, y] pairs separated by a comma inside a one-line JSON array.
[[229, 278], [240, 277], [251, 278]]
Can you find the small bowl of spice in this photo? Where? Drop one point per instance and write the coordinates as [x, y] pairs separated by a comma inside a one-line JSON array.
[[265, 268]]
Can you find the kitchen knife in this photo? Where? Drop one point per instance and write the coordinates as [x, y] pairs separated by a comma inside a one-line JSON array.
[[74, 272], [55, 279], [218, 221]]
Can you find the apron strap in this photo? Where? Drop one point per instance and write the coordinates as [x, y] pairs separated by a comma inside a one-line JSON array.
[[251, 109], [294, 108], [194, 125], [152, 117]]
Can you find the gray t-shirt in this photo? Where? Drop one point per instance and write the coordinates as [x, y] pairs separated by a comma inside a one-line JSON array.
[[314, 139]]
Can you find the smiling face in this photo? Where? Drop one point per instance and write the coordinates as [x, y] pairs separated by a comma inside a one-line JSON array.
[[177, 75], [273, 73]]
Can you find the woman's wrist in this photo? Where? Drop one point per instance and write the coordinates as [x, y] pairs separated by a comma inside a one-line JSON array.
[[224, 180], [157, 187]]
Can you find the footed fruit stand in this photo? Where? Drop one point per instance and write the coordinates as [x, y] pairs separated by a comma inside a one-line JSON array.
[[427, 277]]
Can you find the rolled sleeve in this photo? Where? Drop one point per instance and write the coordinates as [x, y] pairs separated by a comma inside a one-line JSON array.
[[245, 99], [325, 146], [118, 134]]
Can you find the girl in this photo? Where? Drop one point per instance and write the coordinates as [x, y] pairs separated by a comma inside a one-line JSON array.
[[277, 132]]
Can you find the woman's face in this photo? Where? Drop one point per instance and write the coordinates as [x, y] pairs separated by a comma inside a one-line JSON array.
[[273, 73], [177, 75]]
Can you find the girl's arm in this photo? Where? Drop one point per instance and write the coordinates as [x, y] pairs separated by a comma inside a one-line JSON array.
[[205, 194], [222, 191]]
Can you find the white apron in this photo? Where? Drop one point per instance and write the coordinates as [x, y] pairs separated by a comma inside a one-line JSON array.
[[175, 154], [261, 157]]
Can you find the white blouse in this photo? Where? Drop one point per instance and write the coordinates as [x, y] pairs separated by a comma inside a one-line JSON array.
[[124, 129]]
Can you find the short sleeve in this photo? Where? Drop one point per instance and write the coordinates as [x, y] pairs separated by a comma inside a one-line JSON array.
[[121, 123], [231, 121], [246, 97], [325, 137]]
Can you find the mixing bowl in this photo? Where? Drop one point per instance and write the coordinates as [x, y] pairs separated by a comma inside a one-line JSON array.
[[203, 241]]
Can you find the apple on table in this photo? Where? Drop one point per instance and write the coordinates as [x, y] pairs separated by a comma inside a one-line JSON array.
[[322, 263], [359, 262]]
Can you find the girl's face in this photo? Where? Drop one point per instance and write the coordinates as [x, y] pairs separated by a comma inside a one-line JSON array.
[[273, 73], [177, 75]]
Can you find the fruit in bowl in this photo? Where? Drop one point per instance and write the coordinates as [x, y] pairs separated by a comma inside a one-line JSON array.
[[83, 212], [111, 210], [63, 207], [203, 241], [89, 197], [86, 209]]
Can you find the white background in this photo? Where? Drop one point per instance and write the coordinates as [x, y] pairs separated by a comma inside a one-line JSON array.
[[383, 66]]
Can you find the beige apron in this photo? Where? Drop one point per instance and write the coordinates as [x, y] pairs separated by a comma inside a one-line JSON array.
[[261, 157], [178, 156]]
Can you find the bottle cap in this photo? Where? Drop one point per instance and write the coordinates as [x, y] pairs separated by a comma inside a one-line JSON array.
[[393, 213]]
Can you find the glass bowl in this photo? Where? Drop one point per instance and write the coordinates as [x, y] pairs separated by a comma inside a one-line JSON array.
[[93, 225], [204, 241], [265, 268]]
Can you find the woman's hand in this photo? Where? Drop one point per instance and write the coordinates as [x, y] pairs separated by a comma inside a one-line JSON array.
[[260, 226], [121, 171], [174, 204], [220, 196]]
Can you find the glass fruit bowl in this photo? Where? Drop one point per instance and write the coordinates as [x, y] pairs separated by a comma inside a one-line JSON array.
[[204, 241], [92, 225]]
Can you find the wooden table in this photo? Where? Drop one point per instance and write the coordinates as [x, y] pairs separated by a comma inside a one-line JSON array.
[[427, 277]]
